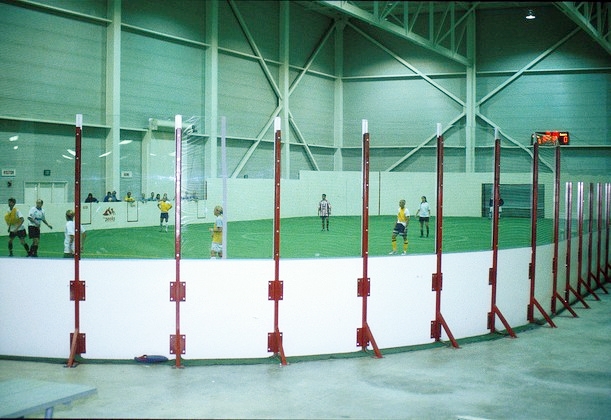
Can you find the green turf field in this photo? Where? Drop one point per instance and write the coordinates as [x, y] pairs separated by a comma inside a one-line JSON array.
[[300, 238]]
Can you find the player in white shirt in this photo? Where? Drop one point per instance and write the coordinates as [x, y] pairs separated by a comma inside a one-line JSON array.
[[324, 211], [70, 236], [36, 217], [424, 213]]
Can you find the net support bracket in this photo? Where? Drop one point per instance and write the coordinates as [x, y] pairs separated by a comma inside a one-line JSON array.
[[77, 290], [178, 291], [178, 344], [77, 346]]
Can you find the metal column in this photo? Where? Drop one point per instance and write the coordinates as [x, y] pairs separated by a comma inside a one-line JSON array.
[[437, 282], [363, 334], [275, 290]]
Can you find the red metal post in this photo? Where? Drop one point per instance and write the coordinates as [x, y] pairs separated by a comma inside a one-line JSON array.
[[581, 282], [77, 287], [593, 278], [494, 310], [590, 232], [275, 287], [607, 221], [437, 282], [569, 235], [533, 242], [556, 240], [177, 288], [602, 267], [363, 334]]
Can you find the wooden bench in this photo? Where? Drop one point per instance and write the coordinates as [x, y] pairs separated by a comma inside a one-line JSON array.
[[21, 397]]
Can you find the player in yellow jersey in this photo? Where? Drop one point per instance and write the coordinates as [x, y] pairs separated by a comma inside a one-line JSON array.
[[400, 228], [165, 207], [16, 229], [216, 248]]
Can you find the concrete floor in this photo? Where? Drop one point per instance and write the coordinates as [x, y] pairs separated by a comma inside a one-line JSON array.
[[545, 373]]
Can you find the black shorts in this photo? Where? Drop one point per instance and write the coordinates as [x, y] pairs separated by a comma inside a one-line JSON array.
[[400, 230], [424, 219], [163, 216], [34, 231], [20, 234]]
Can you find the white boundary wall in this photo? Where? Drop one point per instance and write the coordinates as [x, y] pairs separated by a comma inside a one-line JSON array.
[[127, 311]]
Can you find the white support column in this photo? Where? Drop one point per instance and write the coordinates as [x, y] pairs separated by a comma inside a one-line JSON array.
[[211, 67], [113, 97], [471, 94], [338, 118], [284, 85]]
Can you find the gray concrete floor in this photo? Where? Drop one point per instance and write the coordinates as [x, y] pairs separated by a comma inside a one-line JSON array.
[[545, 373]]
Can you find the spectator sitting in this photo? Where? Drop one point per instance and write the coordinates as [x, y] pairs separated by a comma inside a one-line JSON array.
[[152, 197], [114, 196], [128, 198], [108, 197], [142, 198], [91, 199]]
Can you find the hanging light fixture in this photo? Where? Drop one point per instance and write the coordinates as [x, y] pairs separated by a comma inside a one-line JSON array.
[[530, 15]]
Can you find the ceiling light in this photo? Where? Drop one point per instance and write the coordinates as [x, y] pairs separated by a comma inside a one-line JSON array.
[[105, 154], [530, 15], [125, 141], [13, 138]]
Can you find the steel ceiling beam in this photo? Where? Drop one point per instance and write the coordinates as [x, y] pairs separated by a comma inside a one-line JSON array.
[[399, 18], [592, 17]]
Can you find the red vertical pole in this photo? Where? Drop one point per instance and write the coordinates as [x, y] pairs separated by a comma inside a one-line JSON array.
[[77, 287], [363, 334], [494, 310], [568, 193], [601, 269], [569, 234], [177, 288], [579, 236], [581, 282], [533, 242], [593, 267], [555, 228], [77, 214], [437, 283], [590, 231], [275, 287], [556, 241], [607, 221]]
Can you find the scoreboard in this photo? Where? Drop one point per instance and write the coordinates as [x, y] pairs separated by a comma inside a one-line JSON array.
[[551, 138]]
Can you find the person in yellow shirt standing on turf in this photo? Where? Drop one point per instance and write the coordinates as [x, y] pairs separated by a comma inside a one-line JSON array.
[[216, 248], [16, 229], [400, 228], [165, 207]]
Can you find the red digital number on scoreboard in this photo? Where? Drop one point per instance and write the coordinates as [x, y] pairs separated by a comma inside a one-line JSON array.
[[549, 138]]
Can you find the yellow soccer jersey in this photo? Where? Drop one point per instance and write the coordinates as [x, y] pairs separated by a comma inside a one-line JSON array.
[[403, 216], [217, 233], [164, 206]]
